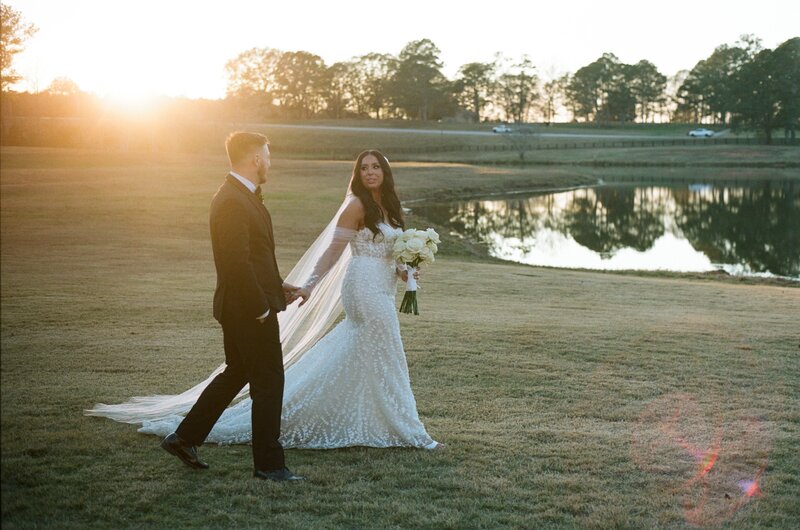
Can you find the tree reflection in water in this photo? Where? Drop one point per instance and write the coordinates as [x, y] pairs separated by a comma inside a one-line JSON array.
[[750, 228], [608, 219]]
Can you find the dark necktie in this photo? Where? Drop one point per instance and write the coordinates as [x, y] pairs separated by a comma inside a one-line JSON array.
[[259, 195]]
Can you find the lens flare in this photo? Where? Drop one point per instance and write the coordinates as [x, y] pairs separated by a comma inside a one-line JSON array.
[[750, 487], [708, 462], [716, 465]]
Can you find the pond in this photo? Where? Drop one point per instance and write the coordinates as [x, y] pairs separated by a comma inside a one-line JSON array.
[[743, 228]]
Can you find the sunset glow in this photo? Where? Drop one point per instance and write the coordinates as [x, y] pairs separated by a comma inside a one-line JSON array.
[[180, 48]]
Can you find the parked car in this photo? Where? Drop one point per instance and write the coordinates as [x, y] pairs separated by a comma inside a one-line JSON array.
[[701, 133], [502, 129]]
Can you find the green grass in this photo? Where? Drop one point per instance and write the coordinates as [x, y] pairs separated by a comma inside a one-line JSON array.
[[554, 389]]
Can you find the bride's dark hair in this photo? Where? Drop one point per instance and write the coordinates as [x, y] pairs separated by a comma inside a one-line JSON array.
[[372, 212]]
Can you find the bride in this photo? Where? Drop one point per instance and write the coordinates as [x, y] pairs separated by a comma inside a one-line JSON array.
[[347, 388]]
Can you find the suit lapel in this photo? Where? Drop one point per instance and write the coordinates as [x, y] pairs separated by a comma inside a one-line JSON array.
[[262, 210], [250, 196]]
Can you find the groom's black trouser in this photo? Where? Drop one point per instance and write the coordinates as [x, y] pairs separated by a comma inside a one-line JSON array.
[[253, 355]]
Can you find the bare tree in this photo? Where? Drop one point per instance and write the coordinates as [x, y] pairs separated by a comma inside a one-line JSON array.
[[552, 95], [336, 88], [475, 85], [517, 90], [670, 108], [371, 82], [251, 82], [522, 139], [63, 86], [647, 86], [253, 72]]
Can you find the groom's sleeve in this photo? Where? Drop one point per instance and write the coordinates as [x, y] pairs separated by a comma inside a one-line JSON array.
[[233, 228]]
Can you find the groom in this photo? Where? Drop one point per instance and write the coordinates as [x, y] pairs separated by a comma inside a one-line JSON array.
[[249, 295]]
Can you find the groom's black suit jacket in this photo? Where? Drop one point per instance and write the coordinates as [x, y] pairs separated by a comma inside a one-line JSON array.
[[248, 284], [248, 281]]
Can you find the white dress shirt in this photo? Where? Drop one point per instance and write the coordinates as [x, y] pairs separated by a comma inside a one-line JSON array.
[[245, 181], [252, 187]]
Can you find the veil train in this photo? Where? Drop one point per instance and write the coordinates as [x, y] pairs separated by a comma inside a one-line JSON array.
[[301, 328]]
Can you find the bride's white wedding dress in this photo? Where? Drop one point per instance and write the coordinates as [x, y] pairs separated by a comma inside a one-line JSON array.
[[351, 388]]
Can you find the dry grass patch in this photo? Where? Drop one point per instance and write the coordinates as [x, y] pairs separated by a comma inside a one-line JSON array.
[[568, 398]]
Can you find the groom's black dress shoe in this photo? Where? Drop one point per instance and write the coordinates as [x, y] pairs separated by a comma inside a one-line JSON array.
[[187, 453], [278, 475]]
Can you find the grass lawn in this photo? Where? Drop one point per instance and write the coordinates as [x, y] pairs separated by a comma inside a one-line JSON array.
[[647, 129], [568, 398], [603, 144], [583, 143], [698, 155]]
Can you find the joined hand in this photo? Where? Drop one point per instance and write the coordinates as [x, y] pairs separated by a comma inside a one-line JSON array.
[[292, 293], [302, 293]]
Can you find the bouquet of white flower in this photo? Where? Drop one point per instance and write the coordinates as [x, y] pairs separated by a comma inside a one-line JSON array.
[[412, 249]]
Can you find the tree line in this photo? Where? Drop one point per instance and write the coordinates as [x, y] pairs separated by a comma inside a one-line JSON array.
[[739, 85], [742, 85]]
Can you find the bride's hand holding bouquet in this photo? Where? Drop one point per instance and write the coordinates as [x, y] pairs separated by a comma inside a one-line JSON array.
[[412, 249]]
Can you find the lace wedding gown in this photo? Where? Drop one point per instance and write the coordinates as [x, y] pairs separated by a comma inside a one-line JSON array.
[[352, 387]]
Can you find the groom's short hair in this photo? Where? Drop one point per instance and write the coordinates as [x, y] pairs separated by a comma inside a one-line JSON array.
[[240, 144]]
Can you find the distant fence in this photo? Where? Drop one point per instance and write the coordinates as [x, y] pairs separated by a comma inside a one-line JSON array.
[[341, 153], [595, 144]]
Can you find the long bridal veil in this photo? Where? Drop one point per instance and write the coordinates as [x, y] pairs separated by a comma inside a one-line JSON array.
[[301, 328]]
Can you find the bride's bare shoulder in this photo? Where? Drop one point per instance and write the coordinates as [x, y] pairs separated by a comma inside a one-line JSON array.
[[354, 204], [353, 214]]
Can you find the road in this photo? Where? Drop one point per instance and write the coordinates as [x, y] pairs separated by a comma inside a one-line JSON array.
[[443, 132]]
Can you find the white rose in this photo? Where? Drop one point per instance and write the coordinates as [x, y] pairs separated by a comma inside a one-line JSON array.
[[426, 254], [432, 235], [407, 257], [415, 245], [433, 246]]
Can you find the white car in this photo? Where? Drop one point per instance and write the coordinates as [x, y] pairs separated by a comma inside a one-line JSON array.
[[701, 133], [502, 129]]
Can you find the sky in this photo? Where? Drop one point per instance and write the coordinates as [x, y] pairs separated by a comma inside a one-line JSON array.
[[179, 48]]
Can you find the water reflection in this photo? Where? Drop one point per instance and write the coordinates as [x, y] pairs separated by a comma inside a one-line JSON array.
[[746, 229]]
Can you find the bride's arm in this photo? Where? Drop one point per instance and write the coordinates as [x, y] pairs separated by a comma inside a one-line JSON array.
[[346, 228]]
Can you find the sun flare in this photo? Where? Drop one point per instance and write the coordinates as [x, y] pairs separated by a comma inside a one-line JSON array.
[[131, 102]]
